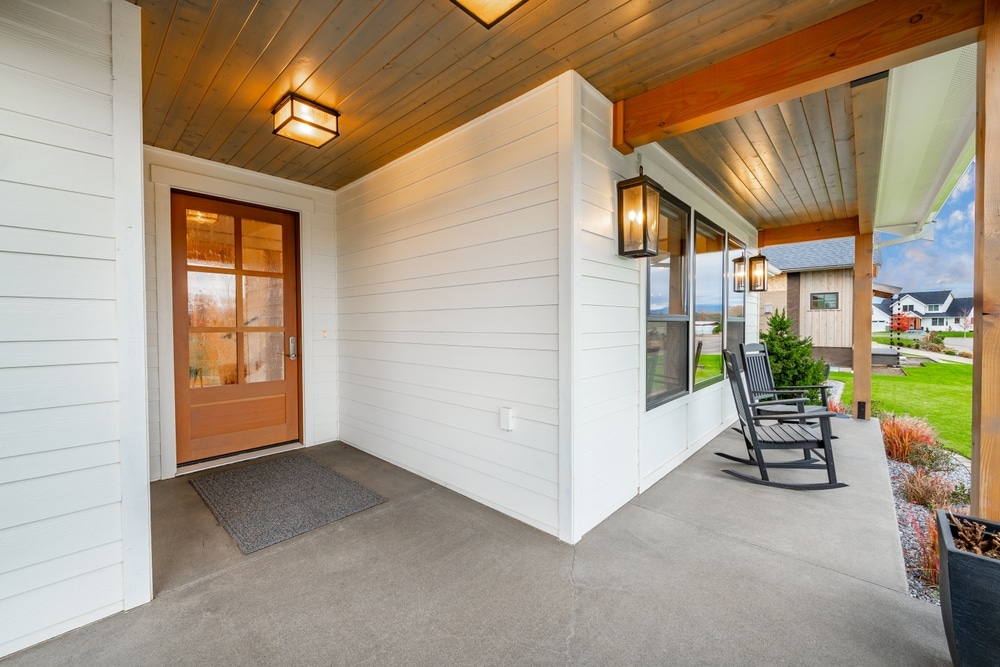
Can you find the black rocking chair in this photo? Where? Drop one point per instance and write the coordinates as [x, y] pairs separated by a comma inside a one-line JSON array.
[[790, 433], [761, 389]]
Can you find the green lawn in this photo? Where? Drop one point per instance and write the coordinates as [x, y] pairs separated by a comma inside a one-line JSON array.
[[897, 340], [939, 393]]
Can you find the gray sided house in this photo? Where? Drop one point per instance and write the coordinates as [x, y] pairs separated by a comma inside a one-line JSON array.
[[814, 284]]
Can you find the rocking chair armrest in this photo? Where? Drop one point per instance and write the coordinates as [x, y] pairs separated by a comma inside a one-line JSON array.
[[780, 401], [821, 387], [797, 416], [779, 390]]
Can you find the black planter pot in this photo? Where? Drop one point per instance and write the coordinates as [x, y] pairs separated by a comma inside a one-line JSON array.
[[970, 598]]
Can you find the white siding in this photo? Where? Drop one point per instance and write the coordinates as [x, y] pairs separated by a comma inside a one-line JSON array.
[[66, 319], [448, 301], [609, 399], [318, 289], [620, 448]]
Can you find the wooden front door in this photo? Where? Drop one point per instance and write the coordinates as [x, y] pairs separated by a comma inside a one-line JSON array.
[[235, 291]]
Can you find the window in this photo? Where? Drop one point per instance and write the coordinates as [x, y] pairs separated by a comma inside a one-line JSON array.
[[937, 321], [709, 287], [824, 301], [908, 308], [958, 320], [667, 313], [736, 303], [933, 308]]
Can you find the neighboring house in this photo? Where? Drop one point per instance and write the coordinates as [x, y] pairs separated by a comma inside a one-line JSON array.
[[452, 256], [938, 310], [814, 284], [881, 314]]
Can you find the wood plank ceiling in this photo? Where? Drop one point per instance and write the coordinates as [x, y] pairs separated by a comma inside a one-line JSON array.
[[790, 163], [403, 72]]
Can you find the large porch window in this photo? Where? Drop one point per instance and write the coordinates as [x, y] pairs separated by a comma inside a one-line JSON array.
[[667, 314], [710, 272]]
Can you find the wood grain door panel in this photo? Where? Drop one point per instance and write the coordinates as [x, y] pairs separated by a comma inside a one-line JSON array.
[[235, 293]]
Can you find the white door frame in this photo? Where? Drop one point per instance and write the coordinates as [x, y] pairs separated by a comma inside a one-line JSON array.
[[203, 177]]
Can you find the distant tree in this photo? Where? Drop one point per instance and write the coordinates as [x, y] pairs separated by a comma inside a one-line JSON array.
[[965, 321], [899, 322], [792, 361]]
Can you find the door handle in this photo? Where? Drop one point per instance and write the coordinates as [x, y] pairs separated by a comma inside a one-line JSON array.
[[292, 348]]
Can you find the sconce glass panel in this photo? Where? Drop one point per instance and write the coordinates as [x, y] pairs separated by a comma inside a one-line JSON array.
[[757, 273]]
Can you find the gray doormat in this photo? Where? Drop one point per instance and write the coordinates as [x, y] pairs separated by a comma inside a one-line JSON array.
[[264, 503]]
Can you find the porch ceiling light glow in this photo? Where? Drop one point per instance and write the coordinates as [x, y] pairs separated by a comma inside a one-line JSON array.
[[488, 12], [305, 121], [758, 273], [639, 217], [740, 274]]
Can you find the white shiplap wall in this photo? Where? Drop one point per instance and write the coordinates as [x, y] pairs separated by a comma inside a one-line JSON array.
[[318, 289], [609, 310], [448, 300], [481, 272], [74, 531], [619, 448]]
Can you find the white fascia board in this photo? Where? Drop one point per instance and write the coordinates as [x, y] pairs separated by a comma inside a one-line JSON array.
[[928, 142]]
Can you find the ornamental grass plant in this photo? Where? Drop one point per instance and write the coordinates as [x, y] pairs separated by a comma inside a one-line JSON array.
[[901, 432]]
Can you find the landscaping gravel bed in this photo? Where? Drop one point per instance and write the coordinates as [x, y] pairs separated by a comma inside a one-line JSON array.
[[908, 514]]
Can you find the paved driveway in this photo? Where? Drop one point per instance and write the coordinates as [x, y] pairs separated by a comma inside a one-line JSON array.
[[960, 344]]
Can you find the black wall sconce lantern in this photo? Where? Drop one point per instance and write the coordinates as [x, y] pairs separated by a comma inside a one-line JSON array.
[[639, 217], [740, 274], [758, 273]]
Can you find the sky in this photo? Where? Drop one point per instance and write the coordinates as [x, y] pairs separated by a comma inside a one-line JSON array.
[[945, 262]]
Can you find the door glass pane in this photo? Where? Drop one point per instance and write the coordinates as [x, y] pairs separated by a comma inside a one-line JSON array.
[[265, 356], [261, 246], [262, 301], [211, 240], [211, 299], [211, 359]]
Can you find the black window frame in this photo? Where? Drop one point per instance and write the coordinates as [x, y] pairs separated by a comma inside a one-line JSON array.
[[656, 399], [812, 300], [699, 221]]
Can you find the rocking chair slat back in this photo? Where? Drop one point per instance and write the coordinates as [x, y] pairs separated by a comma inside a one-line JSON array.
[[781, 431], [739, 395], [758, 370]]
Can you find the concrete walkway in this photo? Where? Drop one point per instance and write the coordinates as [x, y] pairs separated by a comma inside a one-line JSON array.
[[926, 354], [702, 569]]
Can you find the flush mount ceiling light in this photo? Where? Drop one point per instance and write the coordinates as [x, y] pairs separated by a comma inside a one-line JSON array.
[[299, 119], [488, 12]]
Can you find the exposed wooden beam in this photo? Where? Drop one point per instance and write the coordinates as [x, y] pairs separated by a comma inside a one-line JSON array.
[[986, 292], [868, 97], [862, 326], [810, 231], [872, 38]]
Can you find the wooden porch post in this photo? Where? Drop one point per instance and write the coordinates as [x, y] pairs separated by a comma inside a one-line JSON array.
[[863, 270], [986, 345]]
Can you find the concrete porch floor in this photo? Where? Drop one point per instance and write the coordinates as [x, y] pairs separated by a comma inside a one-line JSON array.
[[702, 569]]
